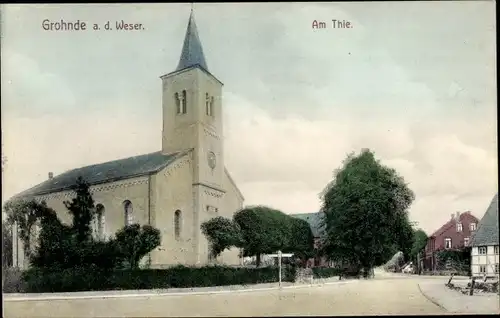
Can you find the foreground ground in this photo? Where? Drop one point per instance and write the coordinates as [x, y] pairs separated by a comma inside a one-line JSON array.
[[380, 296]]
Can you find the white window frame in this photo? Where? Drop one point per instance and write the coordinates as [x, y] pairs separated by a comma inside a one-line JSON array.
[[482, 250], [495, 249], [473, 226], [496, 268], [446, 240], [482, 269], [466, 241], [459, 227]]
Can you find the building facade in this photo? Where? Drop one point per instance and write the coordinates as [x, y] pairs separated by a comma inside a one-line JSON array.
[[175, 189], [485, 244], [454, 234]]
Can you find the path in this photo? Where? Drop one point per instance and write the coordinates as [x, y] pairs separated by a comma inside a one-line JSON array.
[[365, 297]]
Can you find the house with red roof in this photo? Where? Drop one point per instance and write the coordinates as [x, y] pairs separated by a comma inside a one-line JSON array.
[[454, 234]]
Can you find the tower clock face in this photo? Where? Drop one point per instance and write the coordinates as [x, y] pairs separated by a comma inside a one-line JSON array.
[[212, 159]]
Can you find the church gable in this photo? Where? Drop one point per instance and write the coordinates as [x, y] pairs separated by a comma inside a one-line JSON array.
[[105, 172], [233, 184]]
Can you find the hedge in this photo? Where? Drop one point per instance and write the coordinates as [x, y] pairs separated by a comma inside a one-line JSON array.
[[327, 272], [91, 279]]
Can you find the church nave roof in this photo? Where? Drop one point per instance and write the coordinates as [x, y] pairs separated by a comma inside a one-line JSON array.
[[105, 172]]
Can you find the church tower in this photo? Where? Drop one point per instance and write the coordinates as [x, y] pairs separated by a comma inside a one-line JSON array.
[[192, 112]]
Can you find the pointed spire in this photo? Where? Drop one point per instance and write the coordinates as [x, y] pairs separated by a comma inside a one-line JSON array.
[[192, 51]]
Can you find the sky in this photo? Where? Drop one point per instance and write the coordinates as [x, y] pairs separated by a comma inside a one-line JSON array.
[[414, 82]]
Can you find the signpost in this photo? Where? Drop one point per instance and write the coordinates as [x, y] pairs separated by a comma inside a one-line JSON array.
[[280, 255], [279, 268]]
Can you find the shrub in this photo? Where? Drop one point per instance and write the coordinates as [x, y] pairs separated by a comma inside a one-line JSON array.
[[12, 280], [92, 279], [326, 272]]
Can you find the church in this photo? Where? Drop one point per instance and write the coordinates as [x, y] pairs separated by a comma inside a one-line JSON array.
[[175, 189]]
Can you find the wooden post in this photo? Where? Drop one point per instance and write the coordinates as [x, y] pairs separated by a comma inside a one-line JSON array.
[[471, 292], [279, 267], [449, 281]]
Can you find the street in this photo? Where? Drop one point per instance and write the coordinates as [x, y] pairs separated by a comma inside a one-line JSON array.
[[380, 296]]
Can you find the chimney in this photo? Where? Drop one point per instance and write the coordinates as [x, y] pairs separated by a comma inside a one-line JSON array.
[[51, 175]]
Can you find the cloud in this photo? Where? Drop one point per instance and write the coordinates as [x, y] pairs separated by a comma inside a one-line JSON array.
[[296, 100], [29, 88]]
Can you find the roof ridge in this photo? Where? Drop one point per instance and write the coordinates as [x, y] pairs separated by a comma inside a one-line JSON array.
[[109, 171]]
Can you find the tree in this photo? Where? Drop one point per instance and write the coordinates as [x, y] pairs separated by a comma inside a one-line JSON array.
[[222, 233], [264, 230], [134, 242], [365, 210], [301, 242], [82, 209], [25, 214], [64, 246], [419, 242], [6, 244]]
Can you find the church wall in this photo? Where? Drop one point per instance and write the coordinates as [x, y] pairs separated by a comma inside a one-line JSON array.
[[210, 135], [210, 205], [112, 196], [173, 191], [232, 202]]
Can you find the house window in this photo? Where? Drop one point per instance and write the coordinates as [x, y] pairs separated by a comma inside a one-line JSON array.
[[466, 241], [482, 268], [495, 249], [129, 212], [459, 227], [496, 268], [177, 224], [447, 243], [472, 226], [482, 250], [100, 221]]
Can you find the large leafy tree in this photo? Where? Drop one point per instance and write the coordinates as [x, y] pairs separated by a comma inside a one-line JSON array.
[[301, 242], [222, 234], [365, 210], [264, 230], [25, 214], [260, 230]]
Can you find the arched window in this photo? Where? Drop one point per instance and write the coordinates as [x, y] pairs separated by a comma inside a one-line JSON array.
[[177, 103], [177, 224], [128, 209], [100, 221], [211, 106], [207, 104], [184, 102]]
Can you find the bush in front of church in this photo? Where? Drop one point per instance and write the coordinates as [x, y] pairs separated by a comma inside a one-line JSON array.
[[260, 230], [93, 279]]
